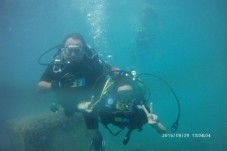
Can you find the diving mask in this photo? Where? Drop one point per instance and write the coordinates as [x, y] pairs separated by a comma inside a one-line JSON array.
[[73, 53], [125, 97]]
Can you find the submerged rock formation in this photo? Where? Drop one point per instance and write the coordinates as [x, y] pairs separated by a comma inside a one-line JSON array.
[[49, 132]]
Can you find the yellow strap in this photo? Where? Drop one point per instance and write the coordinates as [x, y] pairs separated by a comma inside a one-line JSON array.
[[104, 90]]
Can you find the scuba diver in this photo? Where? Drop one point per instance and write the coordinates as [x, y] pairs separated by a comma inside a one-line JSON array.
[[72, 75], [83, 82], [122, 103]]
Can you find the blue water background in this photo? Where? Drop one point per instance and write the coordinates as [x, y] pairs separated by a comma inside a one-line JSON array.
[[188, 48]]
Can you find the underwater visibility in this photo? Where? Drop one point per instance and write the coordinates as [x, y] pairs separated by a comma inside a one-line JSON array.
[[95, 75]]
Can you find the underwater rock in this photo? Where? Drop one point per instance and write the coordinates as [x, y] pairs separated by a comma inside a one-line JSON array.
[[49, 132]]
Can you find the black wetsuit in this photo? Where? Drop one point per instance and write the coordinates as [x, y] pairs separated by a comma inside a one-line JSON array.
[[89, 77], [132, 118]]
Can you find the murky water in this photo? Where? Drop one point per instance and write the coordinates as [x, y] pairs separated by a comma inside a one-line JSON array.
[[184, 42]]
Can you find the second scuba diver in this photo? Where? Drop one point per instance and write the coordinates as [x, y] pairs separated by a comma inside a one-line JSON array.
[[122, 103]]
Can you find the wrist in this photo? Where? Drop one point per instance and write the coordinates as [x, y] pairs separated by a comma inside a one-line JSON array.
[[55, 85]]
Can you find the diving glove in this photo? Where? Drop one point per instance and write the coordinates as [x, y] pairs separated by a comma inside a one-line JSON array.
[[66, 81], [97, 145], [54, 107]]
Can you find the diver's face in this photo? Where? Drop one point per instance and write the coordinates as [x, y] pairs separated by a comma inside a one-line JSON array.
[[125, 96], [125, 93], [73, 50]]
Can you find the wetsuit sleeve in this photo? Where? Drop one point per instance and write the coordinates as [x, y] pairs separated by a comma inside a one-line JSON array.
[[139, 119], [102, 65], [48, 74], [91, 120]]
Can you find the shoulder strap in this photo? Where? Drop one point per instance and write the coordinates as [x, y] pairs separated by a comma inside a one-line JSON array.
[[111, 132]]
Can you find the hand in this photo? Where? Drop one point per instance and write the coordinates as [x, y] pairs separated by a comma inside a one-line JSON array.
[[85, 106], [66, 81], [152, 118]]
